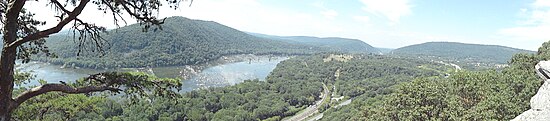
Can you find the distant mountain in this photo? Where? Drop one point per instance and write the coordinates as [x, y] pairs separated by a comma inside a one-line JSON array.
[[181, 41], [476, 52], [333, 43]]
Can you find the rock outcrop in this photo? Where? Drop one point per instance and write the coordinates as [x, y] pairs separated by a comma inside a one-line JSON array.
[[540, 103]]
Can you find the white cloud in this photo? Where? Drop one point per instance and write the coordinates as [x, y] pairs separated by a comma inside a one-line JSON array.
[[523, 10], [245, 15], [536, 25], [539, 33], [362, 19], [326, 12], [90, 14], [330, 14], [542, 3], [252, 16], [391, 9], [318, 4]]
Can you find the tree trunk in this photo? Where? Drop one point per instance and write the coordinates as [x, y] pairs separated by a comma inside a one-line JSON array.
[[7, 59], [7, 62]]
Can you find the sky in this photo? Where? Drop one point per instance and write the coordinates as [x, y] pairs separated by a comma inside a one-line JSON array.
[[521, 24]]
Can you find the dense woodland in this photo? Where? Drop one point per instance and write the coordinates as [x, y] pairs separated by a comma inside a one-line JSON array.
[[295, 84], [382, 88], [183, 41], [180, 41], [465, 95], [399, 86], [332, 43], [319, 76], [460, 51]]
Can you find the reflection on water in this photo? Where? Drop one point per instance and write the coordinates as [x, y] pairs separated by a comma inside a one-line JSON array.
[[52, 73], [230, 74], [216, 76]]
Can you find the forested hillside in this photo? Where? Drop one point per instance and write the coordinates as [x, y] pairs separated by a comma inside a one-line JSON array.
[[461, 51], [326, 60], [399, 86], [382, 88], [333, 43], [465, 95], [180, 41], [294, 85]]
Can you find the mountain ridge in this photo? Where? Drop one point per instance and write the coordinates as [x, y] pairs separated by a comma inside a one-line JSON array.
[[456, 50], [334, 43], [181, 41]]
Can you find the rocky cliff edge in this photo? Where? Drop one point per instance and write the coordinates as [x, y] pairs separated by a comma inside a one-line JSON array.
[[540, 103]]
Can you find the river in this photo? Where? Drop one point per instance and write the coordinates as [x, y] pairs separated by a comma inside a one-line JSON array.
[[231, 73], [215, 76]]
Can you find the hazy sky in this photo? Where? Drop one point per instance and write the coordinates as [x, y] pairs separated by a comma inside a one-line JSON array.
[[382, 23]]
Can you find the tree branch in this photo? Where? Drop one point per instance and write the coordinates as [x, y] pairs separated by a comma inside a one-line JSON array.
[[144, 18], [60, 6], [89, 31], [45, 33], [115, 12], [61, 88]]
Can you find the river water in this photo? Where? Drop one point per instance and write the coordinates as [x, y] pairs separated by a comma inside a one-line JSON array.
[[215, 76], [231, 73]]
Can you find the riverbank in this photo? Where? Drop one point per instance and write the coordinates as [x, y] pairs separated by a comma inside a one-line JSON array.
[[187, 71], [227, 70], [183, 71]]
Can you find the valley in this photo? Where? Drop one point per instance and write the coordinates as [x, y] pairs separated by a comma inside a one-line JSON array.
[[274, 60], [226, 74]]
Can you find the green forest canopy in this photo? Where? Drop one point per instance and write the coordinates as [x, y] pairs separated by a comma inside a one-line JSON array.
[[461, 51], [333, 43], [465, 95], [383, 88], [183, 41], [292, 86]]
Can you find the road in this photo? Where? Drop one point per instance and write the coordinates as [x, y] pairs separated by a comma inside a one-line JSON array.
[[311, 109], [320, 115], [457, 68], [316, 117], [347, 102]]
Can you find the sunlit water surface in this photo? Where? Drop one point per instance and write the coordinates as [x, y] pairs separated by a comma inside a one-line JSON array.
[[216, 76]]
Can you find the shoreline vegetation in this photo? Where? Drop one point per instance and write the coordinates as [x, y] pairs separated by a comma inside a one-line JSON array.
[[297, 83], [182, 72], [187, 71], [435, 79]]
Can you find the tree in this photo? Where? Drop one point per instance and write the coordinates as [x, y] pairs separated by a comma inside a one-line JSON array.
[[22, 38]]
